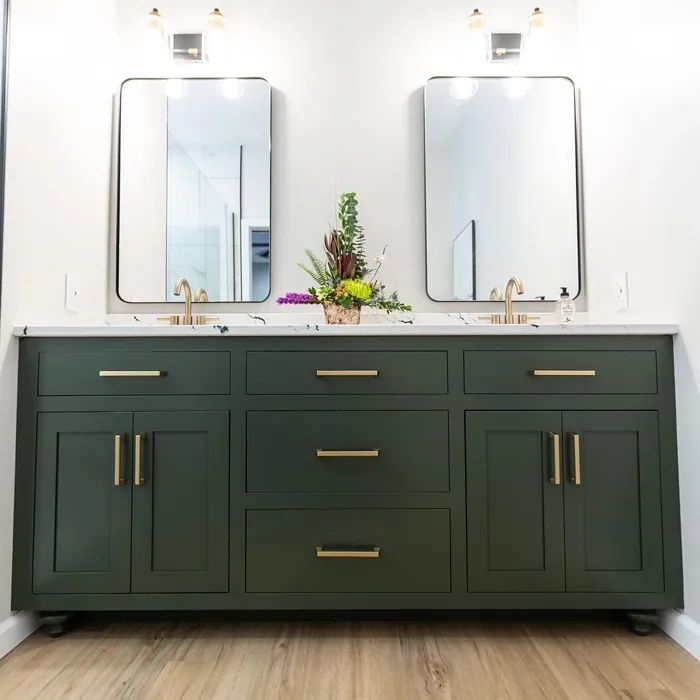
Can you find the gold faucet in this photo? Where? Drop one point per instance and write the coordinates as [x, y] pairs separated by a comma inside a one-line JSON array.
[[201, 297], [181, 284], [496, 295], [513, 283]]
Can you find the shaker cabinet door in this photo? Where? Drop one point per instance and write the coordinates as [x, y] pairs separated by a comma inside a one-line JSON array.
[[82, 524], [515, 501], [181, 502], [613, 502]]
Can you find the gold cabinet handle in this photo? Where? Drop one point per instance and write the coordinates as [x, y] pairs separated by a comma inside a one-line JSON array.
[[346, 453], [563, 373], [118, 478], [556, 453], [138, 469], [575, 478], [131, 373], [347, 372], [342, 553]]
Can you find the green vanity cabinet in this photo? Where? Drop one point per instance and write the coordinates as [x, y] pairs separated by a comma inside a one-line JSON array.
[[515, 514], [131, 502], [82, 537], [180, 508], [564, 501], [309, 472]]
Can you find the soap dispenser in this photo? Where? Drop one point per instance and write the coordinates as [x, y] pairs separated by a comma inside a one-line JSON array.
[[567, 308]]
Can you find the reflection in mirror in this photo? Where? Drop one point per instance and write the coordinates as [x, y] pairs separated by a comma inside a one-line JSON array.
[[194, 189], [501, 187]]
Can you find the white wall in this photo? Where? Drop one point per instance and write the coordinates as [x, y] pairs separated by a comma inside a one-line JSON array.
[[641, 110], [57, 195], [347, 82]]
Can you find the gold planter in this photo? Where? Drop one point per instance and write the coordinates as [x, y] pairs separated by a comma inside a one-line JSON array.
[[338, 315]]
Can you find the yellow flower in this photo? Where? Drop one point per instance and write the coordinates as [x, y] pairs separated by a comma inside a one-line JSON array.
[[357, 289]]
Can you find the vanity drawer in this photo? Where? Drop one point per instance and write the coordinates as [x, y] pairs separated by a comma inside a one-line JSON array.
[[560, 372], [134, 373], [335, 373], [348, 551], [348, 451]]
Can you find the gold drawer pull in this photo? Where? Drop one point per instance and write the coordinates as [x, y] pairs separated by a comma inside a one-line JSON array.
[[118, 478], [556, 445], [576, 444], [131, 373], [347, 372], [564, 372], [347, 453], [138, 450], [342, 553]]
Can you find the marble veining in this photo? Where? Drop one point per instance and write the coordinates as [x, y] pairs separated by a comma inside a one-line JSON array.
[[287, 324]]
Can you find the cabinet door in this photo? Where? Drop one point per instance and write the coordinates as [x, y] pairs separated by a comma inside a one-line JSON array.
[[82, 533], [181, 505], [514, 505], [613, 516]]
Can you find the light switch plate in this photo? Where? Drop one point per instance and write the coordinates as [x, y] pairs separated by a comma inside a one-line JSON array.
[[622, 301], [72, 293]]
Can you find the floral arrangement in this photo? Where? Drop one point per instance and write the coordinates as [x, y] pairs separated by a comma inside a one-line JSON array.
[[345, 279]]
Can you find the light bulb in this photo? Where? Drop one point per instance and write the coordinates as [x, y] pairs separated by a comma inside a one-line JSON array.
[[537, 20], [477, 21], [156, 44], [232, 88], [463, 88], [516, 88], [155, 22], [215, 35], [478, 40], [535, 42], [175, 88]]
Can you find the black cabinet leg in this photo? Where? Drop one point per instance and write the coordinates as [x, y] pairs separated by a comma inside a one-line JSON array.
[[642, 623], [56, 624]]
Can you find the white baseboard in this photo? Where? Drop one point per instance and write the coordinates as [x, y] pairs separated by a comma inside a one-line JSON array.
[[682, 629], [15, 630]]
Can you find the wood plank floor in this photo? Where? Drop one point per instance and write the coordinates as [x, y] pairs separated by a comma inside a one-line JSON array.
[[339, 660]]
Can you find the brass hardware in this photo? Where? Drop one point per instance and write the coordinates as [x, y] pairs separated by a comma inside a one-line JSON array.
[[138, 448], [556, 447], [340, 553], [347, 372], [131, 373], [517, 284], [118, 479], [183, 285], [202, 297], [496, 295], [563, 372], [347, 453], [576, 444]]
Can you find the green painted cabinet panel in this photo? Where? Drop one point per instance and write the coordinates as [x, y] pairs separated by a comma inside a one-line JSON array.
[[512, 372], [402, 372], [82, 527], [514, 512], [413, 556], [78, 373], [181, 508], [412, 447], [613, 518]]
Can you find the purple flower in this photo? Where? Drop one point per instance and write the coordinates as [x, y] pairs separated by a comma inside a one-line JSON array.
[[297, 298]]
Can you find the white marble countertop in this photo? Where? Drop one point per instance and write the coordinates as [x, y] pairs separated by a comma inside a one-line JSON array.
[[278, 324]]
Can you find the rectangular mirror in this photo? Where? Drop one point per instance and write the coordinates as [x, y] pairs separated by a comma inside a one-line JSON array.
[[501, 182], [194, 189]]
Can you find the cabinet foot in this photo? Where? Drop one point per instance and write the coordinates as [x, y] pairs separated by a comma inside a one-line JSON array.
[[642, 623], [56, 624]]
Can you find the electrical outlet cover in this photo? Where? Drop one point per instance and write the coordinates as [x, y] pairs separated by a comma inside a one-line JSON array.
[[621, 292], [72, 294]]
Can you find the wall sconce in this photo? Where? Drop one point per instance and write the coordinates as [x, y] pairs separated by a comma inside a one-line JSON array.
[[196, 47], [501, 47]]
